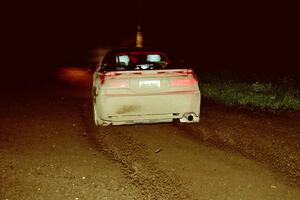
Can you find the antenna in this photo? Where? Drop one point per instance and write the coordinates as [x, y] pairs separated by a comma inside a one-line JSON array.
[[139, 35]]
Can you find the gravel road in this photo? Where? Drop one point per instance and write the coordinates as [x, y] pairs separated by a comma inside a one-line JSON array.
[[50, 149]]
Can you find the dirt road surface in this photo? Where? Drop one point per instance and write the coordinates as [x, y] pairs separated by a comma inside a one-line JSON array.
[[50, 149]]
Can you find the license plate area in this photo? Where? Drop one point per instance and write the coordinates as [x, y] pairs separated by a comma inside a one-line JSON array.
[[149, 84]]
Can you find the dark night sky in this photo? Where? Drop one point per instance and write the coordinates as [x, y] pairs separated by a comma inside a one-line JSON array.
[[229, 33]]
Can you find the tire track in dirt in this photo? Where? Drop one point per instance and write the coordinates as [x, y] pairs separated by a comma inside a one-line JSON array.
[[250, 141], [142, 172]]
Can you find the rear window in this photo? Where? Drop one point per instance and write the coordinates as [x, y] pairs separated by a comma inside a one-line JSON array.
[[136, 61]]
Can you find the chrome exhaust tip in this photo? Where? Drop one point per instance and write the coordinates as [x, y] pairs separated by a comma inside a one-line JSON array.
[[190, 118]]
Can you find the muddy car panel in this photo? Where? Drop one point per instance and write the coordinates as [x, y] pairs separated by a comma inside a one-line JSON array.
[[146, 96]]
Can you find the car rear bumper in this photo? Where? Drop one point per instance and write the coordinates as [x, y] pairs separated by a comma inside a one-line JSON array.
[[148, 108]]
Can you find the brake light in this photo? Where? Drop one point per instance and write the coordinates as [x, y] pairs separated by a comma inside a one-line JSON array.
[[112, 74], [108, 74], [183, 82], [186, 72]]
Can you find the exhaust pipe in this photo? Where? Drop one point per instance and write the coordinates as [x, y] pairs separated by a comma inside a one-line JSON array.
[[190, 118]]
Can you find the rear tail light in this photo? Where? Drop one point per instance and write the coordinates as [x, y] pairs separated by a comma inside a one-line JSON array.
[[186, 72], [183, 82], [108, 74], [112, 74]]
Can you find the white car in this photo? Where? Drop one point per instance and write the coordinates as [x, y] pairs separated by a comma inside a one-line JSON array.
[[139, 85]]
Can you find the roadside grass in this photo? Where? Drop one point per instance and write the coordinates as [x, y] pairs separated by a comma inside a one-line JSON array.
[[278, 94]]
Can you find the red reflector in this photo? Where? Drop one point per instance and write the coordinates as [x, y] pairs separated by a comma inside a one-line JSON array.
[[183, 82], [112, 74], [108, 74], [186, 72]]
